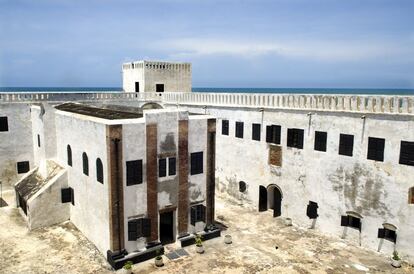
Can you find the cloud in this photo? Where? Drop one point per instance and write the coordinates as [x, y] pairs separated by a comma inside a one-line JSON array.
[[326, 51]]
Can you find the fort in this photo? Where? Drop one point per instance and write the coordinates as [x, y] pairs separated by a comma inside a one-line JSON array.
[[138, 169]]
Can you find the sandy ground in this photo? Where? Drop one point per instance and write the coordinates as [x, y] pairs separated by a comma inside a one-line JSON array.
[[63, 249]]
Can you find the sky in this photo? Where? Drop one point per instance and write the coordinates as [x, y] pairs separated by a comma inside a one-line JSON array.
[[230, 43]]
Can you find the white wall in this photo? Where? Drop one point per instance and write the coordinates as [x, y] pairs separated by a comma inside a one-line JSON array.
[[91, 210], [376, 190]]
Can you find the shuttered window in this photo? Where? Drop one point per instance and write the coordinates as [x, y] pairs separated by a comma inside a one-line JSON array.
[[196, 163], [134, 172], [4, 125], [171, 166], [239, 129], [162, 167], [407, 153], [320, 140], [346, 144], [85, 163], [198, 214], [99, 171], [312, 210], [387, 234], [225, 127], [351, 221], [256, 132], [23, 167], [138, 228], [273, 134], [69, 155], [295, 138], [376, 149]]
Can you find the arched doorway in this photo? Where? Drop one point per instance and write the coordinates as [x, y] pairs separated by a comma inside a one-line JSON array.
[[262, 198], [274, 199]]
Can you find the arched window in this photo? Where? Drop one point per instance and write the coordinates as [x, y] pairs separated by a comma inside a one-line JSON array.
[[69, 152], [411, 195], [242, 186], [85, 164], [99, 171]]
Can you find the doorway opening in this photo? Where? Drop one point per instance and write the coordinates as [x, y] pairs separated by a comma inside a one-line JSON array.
[[167, 227], [136, 86], [262, 198], [274, 200]]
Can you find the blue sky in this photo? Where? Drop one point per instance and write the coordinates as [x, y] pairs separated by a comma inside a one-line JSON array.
[[231, 43]]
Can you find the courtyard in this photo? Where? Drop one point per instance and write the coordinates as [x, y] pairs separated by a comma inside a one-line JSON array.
[[261, 244]]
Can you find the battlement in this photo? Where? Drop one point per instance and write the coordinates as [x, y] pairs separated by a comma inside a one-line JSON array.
[[375, 104], [157, 65]]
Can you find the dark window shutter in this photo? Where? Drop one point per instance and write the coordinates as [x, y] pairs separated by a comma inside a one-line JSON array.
[[85, 163], [344, 221], [66, 195], [162, 167], [407, 153], [276, 134], [146, 227], [290, 137], [381, 233], [225, 127], [69, 155], [346, 144], [193, 215], [312, 210], [320, 140], [23, 167], [99, 171], [4, 125], [239, 129], [132, 230], [376, 149], [300, 138], [256, 132], [171, 166], [196, 163], [72, 196], [354, 222], [134, 172], [390, 235], [38, 140], [269, 134], [139, 228]]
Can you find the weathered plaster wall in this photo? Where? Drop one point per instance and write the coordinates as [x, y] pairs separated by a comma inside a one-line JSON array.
[[130, 76], [46, 207], [16, 144], [376, 190], [91, 210]]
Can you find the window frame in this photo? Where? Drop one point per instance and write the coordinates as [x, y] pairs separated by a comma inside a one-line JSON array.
[[134, 172], [256, 131], [273, 134], [85, 164], [375, 150], [406, 153], [239, 129], [295, 137], [321, 139], [197, 163], [346, 144], [4, 124], [225, 127]]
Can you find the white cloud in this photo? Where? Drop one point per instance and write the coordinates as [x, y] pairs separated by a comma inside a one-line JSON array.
[[328, 51]]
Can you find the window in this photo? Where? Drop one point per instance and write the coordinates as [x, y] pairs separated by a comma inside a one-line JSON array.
[[295, 138], [23, 167], [159, 87], [346, 144], [351, 221], [134, 172], [411, 195], [239, 129], [99, 171], [67, 195], [198, 214], [196, 163], [376, 149], [162, 167], [138, 228], [273, 134], [171, 166], [85, 164], [407, 153], [4, 125], [242, 186], [387, 234], [225, 127], [320, 140], [256, 132], [38, 140], [136, 86], [312, 210], [69, 155]]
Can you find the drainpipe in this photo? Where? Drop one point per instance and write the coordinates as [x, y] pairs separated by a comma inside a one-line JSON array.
[[117, 203]]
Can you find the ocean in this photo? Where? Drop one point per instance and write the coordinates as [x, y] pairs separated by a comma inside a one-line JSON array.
[[228, 90]]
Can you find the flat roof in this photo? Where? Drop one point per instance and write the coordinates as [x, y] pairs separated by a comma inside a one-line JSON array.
[[100, 112]]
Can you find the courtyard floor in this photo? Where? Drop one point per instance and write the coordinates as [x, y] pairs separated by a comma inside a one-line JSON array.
[[63, 249]]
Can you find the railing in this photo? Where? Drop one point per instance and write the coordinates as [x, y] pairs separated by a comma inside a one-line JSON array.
[[76, 96], [347, 103]]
